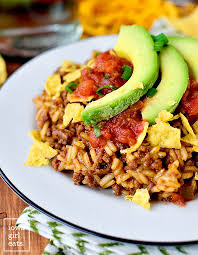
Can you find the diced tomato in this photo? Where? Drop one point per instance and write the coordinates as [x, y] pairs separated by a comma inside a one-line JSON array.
[[123, 128], [85, 88], [97, 142], [189, 102], [107, 70]]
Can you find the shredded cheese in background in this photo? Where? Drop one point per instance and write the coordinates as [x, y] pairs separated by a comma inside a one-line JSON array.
[[106, 17]]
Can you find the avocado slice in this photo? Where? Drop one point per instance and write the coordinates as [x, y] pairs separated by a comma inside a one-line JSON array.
[[174, 81], [188, 47], [135, 44]]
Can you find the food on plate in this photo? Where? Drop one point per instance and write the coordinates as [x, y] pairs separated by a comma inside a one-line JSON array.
[[188, 47], [135, 44], [145, 150], [173, 84]]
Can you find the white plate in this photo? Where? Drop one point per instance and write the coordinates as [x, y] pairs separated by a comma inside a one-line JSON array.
[[54, 193]]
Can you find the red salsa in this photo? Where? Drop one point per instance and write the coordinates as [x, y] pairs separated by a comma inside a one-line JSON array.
[[189, 102], [107, 70], [123, 128]]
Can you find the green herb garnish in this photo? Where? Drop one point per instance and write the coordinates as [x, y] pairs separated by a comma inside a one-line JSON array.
[[71, 85], [97, 53], [151, 92], [106, 75], [127, 72], [105, 87], [97, 131], [159, 41]]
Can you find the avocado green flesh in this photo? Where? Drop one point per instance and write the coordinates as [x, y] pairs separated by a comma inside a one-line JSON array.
[[174, 81], [135, 44], [188, 48]]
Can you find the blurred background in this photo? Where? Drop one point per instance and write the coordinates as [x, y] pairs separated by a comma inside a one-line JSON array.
[[29, 27]]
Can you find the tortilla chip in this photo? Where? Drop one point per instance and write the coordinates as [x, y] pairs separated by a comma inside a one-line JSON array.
[[196, 176], [195, 127], [195, 148], [186, 124], [73, 76], [190, 139], [141, 197], [40, 152], [72, 112], [139, 140], [35, 157], [164, 116], [164, 135], [90, 63], [53, 85], [72, 99], [69, 66], [35, 135]]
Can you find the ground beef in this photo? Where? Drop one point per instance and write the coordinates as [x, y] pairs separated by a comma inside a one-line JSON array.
[[62, 136], [77, 178], [117, 190], [80, 128], [42, 119], [55, 163]]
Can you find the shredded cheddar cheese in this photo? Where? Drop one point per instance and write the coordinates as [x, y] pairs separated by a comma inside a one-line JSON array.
[[106, 17]]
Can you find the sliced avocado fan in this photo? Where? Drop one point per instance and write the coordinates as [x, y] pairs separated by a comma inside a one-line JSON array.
[[174, 81], [135, 44], [188, 48]]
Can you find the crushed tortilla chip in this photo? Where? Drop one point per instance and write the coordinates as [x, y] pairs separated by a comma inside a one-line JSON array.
[[40, 152], [177, 116], [187, 125], [190, 139], [53, 85], [72, 112], [196, 176], [164, 116], [73, 76], [195, 127], [35, 135], [138, 85], [141, 197], [84, 100], [139, 140], [69, 66], [46, 150], [164, 135], [90, 63], [36, 157], [195, 148]]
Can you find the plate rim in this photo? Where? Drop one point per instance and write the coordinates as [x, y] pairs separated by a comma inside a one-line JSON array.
[[61, 220], [77, 227]]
